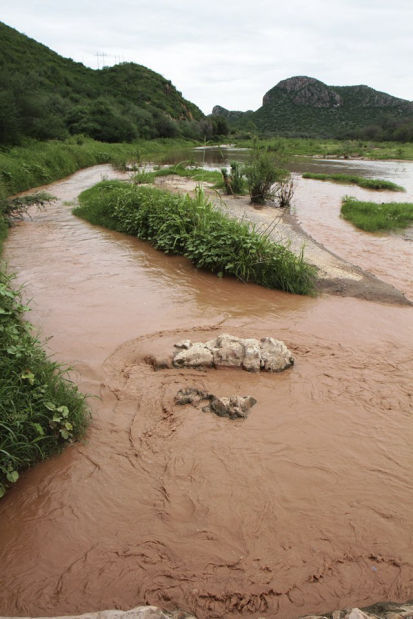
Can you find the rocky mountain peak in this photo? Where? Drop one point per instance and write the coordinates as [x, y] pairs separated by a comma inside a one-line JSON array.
[[305, 90]]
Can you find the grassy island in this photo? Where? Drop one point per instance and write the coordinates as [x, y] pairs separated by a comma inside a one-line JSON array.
[[192, 227], [372, 217]]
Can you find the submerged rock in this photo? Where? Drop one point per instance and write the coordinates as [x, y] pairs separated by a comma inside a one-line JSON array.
[[191, 396], [253, 355], [234, 406]]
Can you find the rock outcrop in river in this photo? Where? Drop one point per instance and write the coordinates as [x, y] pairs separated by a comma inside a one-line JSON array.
[[266, 354]]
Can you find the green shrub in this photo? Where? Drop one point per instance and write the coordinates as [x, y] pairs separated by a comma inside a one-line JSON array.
[[262, 173], [234, 182], [192, 227]]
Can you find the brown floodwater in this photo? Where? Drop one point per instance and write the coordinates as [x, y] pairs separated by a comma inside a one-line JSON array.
[[388, 255], [305, 506]]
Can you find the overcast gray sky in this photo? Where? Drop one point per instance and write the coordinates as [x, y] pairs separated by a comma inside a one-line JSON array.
[[231, 52]]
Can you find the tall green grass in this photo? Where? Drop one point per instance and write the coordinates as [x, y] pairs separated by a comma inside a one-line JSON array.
[[38, 163], [192, 227], [351, 179], [372, 217]]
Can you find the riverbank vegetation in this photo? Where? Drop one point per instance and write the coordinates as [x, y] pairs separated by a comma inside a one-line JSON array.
[[350, 179], [192, 227], [331, 148], [38, 163], [373, 217], [41, 411]]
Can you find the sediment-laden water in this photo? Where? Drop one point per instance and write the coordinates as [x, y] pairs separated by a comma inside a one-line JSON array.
[[305, 506]]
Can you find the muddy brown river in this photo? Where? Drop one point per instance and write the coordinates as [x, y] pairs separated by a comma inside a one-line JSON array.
[[304, 507]]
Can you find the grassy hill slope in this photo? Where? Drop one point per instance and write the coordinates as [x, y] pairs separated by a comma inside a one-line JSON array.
[[43, 96]]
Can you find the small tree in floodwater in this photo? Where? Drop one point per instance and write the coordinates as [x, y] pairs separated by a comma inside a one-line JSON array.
[[262, 172], [234, 181]]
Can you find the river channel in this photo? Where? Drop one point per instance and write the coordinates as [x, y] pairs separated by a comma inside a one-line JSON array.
[[304, 507]]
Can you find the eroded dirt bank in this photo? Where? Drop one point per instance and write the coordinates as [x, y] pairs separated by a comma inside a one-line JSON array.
[[306, 506]]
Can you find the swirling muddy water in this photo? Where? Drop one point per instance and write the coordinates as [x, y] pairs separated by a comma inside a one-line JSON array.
[[305, 506]]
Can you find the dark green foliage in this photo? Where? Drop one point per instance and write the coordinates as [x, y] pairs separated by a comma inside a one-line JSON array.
[[372, 217], [192, 227], [40, 410], [350, 179], [44, 96]]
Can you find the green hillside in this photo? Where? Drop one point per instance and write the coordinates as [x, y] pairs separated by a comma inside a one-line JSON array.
[[305, 107], [44, 96]]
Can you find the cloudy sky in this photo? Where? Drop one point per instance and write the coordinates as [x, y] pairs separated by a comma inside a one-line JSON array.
[[231, 52]]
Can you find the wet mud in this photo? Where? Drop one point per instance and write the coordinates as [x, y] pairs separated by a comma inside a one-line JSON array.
[[304, 506]]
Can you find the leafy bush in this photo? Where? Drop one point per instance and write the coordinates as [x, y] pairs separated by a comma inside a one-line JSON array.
[[261, 173], [194, 228]]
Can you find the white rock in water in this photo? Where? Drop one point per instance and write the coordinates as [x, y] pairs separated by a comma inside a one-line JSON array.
[[140, 612], [275, 355], [252, 355], [195, 356], [226, 350], [356, 613]]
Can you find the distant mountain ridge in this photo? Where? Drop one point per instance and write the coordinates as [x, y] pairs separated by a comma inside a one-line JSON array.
[[44, 95], [303, 105]]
